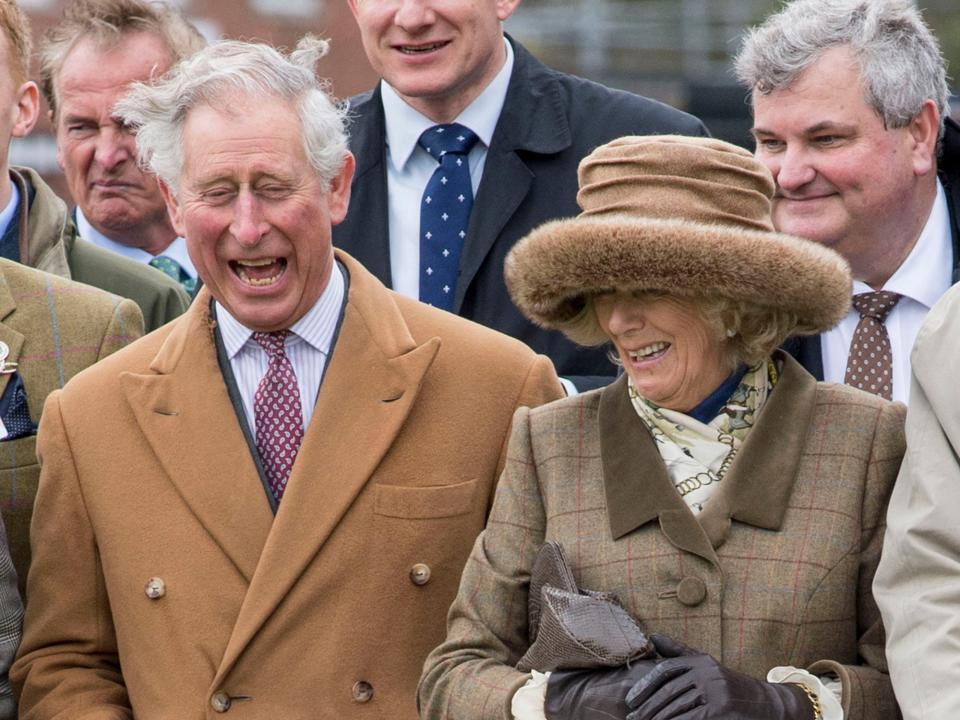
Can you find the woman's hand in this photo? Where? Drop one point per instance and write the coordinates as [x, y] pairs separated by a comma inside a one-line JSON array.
[[593, 694], [690, 685]]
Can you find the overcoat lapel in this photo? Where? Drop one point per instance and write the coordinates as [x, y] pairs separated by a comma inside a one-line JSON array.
[[533, 120], [638, 488], [12, 338], [372, 382], [186, 416]]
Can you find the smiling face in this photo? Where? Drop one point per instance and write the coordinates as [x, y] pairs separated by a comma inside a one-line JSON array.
[[438, 55], [843, 179], [671, 355], [97, 153], [256, 217]]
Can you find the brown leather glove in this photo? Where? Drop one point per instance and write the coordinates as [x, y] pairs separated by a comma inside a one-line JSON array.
[[690, 685], [593, 694]]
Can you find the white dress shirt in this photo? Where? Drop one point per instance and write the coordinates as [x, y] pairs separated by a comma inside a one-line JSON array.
[[308, 346], [924, 276], [11, 209], [409, 167], [177, 250]]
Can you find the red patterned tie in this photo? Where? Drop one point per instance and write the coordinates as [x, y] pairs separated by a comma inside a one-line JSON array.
[[870, 363], [277, 412]]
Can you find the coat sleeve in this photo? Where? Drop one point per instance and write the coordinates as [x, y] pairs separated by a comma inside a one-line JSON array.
[[867, 690], [918, 581], [472, 675], [68, 665]]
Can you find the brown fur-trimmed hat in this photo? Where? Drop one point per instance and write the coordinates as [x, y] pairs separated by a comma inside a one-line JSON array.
[[682, 215]]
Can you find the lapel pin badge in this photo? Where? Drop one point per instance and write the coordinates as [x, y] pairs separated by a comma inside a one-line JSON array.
[[6, 367]]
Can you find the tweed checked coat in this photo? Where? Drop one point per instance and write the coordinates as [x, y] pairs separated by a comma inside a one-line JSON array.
[[326, 610], [54, 328], [776, 572]]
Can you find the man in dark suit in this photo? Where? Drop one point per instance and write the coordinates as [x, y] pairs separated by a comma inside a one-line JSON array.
[[449, 63], [35, 225], [850, 107]]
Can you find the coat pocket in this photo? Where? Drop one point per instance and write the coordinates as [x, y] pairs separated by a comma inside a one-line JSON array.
[[19, 474], [435, 501]]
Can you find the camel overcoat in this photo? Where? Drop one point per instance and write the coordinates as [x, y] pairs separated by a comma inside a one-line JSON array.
[[179, 595], [777, 571]]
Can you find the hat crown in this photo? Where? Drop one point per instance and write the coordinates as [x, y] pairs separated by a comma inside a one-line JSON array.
[[670, 176]]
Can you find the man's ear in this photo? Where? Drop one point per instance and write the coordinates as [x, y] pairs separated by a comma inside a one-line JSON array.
[[506, 8], [923, 131], [26, 109], [338, 196], [353, 6], [173, 208]]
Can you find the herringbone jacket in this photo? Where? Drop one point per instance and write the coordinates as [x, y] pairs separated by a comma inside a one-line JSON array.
[[777, 570]]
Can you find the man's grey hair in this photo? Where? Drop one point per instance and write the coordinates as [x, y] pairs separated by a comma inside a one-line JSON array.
[[901, 65], [107, 22], [228, 70]]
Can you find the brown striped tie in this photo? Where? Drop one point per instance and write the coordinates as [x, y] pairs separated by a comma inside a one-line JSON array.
[[870, 363]]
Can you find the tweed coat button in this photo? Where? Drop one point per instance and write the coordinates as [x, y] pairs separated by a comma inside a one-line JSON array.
[[155, 588], [420, 574], [220, 702], [362, 691], [691, 591]]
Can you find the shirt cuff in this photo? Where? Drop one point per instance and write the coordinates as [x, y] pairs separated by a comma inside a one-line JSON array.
[[569, 387], [827, 687], [528, 701]]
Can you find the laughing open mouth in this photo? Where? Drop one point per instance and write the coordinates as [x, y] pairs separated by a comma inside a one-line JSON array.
[[649, 352], [260, 272]]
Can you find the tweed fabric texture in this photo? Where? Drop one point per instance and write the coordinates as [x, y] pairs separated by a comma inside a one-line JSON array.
[[777, 571], [54, 328], [680, 215], [870, 362]]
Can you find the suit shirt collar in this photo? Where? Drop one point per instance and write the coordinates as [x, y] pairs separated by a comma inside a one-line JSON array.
[[8, 213], [176, 250], [404, 125], [317, 327]]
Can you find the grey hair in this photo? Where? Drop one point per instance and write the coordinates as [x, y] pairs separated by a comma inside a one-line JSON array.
[[901, 65], [220, 72]]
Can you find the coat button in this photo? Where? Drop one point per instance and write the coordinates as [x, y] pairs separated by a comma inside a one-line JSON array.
[[362, 691], [155, 588], [420, 574], [220, 702], [691, 591]]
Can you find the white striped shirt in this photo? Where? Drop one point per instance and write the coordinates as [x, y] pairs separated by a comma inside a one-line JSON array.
[[307, 345]]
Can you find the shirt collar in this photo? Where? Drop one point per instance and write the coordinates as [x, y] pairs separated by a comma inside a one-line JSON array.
[[927, 273], [404, 125], [176, 250], [317, 327], [11, 209]]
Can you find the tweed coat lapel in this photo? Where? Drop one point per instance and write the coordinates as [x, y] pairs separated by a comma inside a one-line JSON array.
[[12, 338], [765, 467], [185, 414], [371, 385], [533, 120]]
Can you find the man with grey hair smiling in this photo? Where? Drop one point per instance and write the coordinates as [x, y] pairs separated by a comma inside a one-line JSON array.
[[268, 501], [851, 115]]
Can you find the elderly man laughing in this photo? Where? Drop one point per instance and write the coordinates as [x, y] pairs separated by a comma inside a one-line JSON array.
[[263, 491]]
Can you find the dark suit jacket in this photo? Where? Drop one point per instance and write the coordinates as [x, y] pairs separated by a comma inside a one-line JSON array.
[[549, 122], [807, 349]]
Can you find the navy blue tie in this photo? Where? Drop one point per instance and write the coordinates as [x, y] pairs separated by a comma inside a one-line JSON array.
[[444, 212]]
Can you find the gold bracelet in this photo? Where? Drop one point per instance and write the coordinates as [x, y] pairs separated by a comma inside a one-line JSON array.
[[812, 697]]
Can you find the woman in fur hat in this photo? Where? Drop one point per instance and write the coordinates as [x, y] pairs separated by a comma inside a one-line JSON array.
[[729, 501]]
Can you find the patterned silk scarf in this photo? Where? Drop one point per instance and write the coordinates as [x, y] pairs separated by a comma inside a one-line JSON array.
[[698, 456]]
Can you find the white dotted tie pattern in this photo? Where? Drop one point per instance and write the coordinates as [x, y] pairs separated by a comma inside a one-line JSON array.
[[870, 363], [277, 413]]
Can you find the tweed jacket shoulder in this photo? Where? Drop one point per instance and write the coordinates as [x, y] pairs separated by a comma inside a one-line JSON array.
[[776, 572], [49, 242]]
